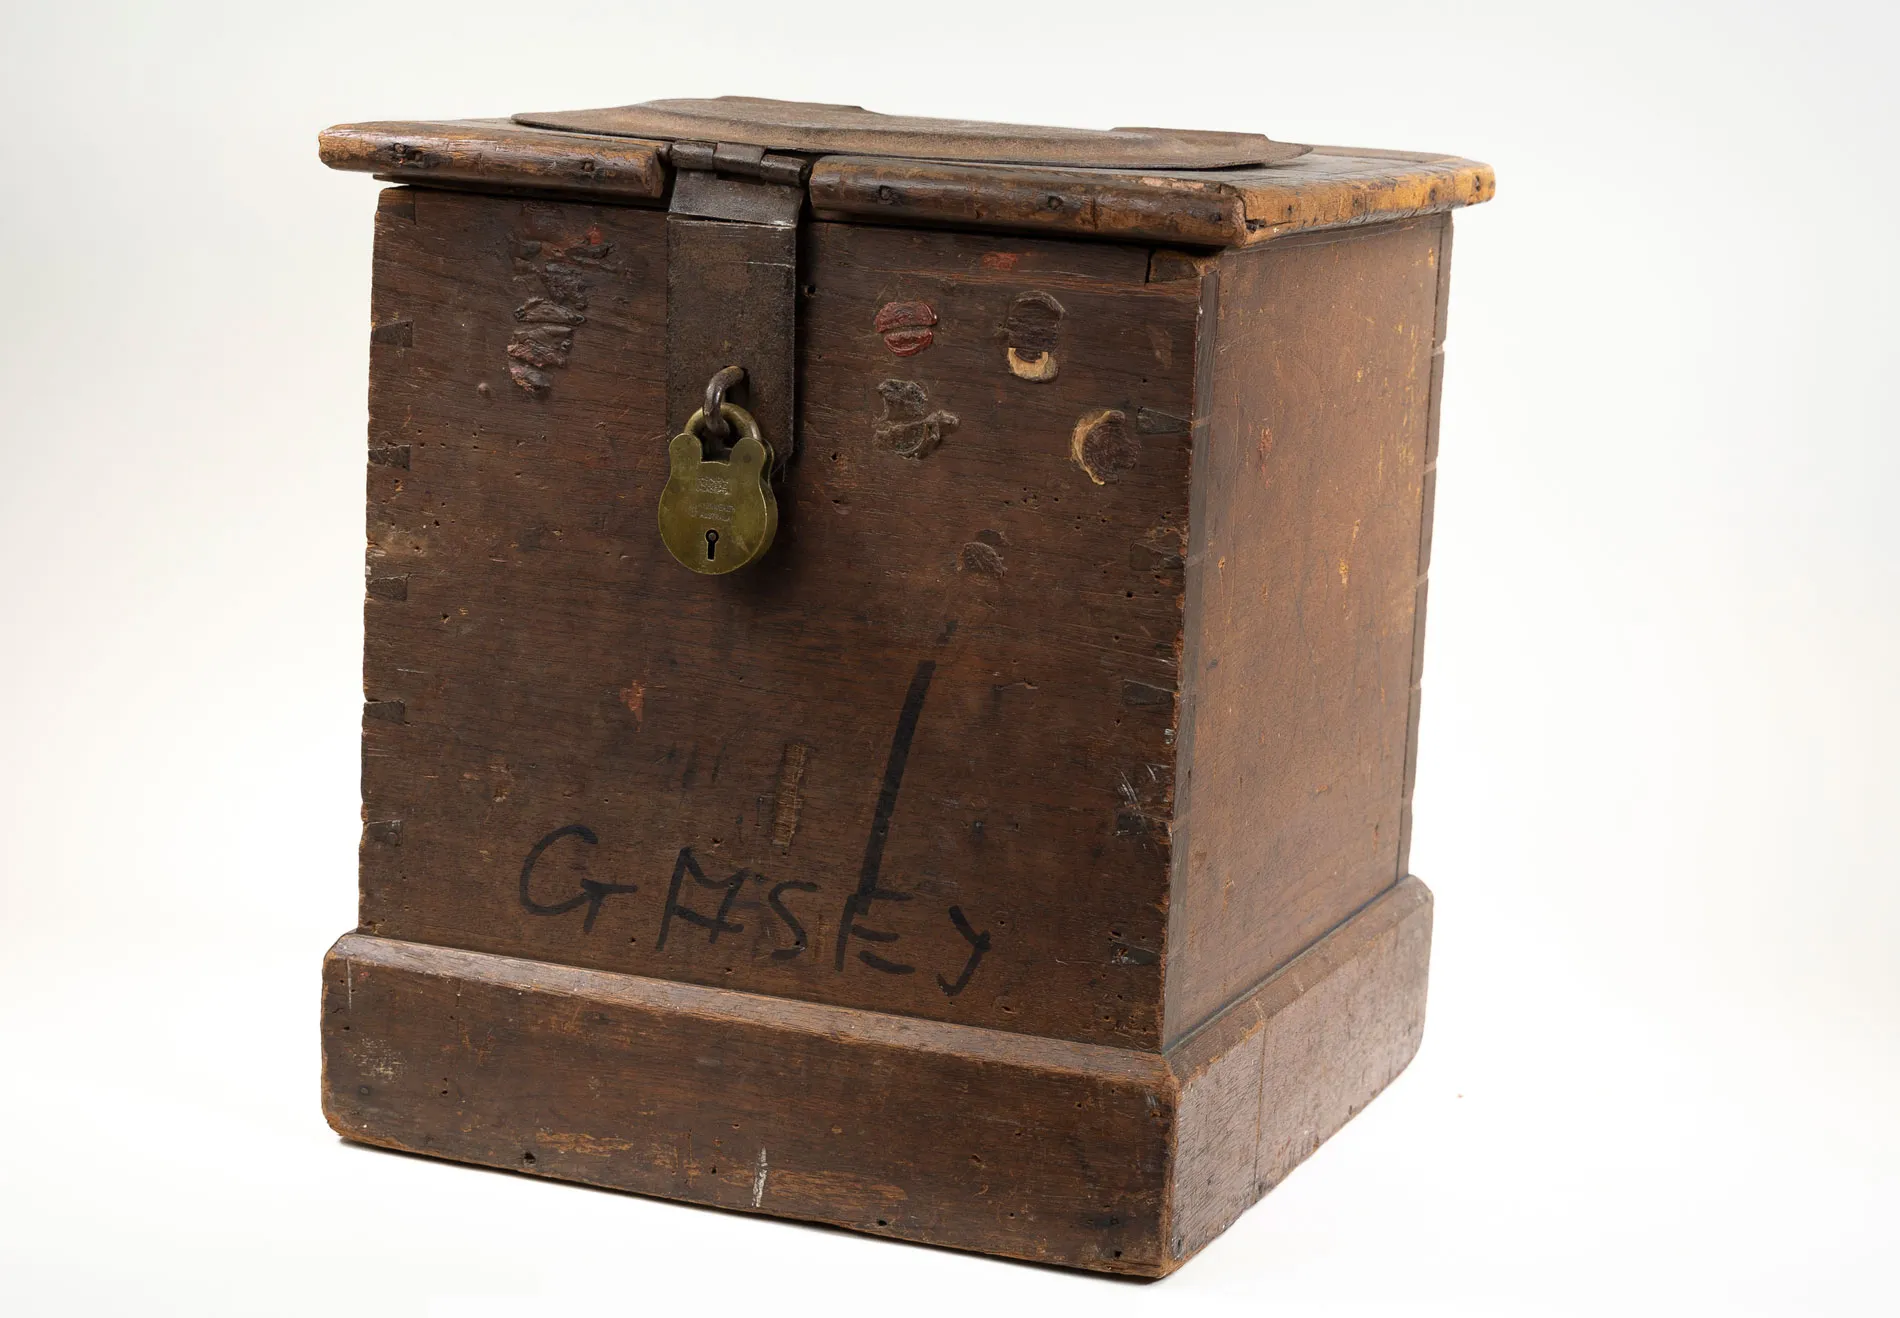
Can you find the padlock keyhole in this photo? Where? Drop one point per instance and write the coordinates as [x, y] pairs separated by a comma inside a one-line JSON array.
[[712, 544]]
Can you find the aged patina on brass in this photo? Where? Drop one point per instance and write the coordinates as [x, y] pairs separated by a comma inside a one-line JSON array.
[[717, 515]]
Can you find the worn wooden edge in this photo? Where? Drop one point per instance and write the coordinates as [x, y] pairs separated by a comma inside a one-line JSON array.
[[1150, 207], [1189, 639], [1330, 187], [529, 1053], [1038, 1149], [851, 130], [500, 154], [1263, 1084], [1427, 516], [789, 1016], [1339, 187]]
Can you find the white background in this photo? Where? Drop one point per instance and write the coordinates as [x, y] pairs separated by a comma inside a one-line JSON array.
[[1657, 789]]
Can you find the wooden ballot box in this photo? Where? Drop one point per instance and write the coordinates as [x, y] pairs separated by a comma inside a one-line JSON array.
[[891, 662]]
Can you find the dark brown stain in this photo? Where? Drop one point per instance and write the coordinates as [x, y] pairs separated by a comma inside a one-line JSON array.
[[1144, 695], [1150, 422], [394, 334], [383, 832]]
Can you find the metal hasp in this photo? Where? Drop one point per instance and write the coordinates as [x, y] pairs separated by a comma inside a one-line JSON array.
[[732, 282]]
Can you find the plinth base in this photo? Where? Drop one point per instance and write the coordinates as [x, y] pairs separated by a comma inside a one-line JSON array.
[[1034, 1148]]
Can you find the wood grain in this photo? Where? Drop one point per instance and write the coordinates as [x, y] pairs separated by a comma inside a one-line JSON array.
[[549, 667], [1075, 1154], [1332, 187], [1301, 591], [1015, 857], [851, 130], [498, 154], [1328, 187]]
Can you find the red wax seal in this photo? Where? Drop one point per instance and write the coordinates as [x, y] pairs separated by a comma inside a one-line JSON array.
[[905, 326]]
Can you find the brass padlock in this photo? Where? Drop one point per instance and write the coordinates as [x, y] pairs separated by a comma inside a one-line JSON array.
[[718, 515]]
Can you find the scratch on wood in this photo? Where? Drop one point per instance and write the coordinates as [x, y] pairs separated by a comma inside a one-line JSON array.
[[634, 696], [785, 815], [1163, 346], [1150, 422], [574, 1142], [1144, 695], [758, 1180]]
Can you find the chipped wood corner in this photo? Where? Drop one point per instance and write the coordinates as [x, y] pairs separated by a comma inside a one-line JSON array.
[[1347, 186]]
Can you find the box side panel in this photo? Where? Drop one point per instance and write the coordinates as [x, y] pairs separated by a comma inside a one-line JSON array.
[[918, 759], [1304, 572]]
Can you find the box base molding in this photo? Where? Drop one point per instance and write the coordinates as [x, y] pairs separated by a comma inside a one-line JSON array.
[[1039, 1149]]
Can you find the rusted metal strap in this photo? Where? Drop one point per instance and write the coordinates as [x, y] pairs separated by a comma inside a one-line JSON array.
[[732, 282]]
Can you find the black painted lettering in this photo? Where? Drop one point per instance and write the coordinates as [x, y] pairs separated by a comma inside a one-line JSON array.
[[868, 891], [979, 944], [715, 924], [592, 894], [773, 899]]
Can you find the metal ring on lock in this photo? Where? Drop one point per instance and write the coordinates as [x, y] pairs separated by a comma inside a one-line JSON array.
[[730, 417]]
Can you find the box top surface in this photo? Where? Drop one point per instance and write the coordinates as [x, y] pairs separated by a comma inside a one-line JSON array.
[[851, 130], [1173, 187]]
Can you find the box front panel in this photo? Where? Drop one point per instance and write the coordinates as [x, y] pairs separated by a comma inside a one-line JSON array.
[[918, 759]]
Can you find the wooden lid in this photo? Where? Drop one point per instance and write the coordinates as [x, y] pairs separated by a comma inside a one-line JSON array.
[[1324, 188], [850, 130]]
